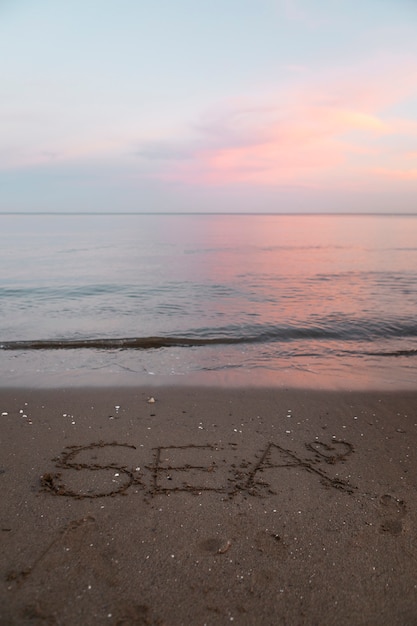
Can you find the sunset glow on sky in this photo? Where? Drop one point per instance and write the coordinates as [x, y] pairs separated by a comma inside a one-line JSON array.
[[223, 106]]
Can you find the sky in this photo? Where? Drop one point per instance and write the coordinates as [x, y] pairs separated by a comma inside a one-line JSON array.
[[274, 106]]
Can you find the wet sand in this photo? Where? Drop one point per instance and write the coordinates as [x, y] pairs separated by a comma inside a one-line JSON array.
[[208, 506]]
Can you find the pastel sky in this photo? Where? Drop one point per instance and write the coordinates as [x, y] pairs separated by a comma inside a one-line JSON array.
[[223, 106]]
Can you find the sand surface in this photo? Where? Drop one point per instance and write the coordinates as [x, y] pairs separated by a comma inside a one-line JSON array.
[[208, 506]]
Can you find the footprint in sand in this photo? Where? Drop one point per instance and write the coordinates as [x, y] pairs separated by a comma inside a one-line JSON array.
[[215, 545], [393, 511], [127, 614]]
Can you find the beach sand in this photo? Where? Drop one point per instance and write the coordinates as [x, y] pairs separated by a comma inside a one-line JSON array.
[[208, 506]]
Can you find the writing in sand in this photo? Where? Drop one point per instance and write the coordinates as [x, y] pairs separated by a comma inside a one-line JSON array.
[[101, 469]]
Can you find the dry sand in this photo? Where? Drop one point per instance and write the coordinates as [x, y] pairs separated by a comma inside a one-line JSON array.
[[208, 506]]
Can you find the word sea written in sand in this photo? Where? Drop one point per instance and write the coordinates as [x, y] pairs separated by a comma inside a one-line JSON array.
[[100, 469]]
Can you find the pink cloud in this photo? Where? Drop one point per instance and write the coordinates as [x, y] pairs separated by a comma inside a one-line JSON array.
[[311, 135], [279, 155], [399, 175]]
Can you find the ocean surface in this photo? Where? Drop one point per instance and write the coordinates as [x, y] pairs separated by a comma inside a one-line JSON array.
[[307, 300]]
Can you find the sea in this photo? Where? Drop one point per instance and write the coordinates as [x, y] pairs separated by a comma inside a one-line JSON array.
[[315, 301]]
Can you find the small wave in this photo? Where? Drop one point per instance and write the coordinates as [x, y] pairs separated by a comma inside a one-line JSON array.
[[135, 343], [329, 329], [392, 353]]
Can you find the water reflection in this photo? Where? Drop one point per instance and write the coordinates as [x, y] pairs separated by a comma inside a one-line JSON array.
[[321, 293]]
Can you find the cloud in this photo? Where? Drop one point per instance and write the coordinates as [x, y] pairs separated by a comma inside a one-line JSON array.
[[165, 151], [330, 131], [393, 174], [309, 134]]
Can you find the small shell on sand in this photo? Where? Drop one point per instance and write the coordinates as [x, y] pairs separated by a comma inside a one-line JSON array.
[[224, 547], [151, 400]]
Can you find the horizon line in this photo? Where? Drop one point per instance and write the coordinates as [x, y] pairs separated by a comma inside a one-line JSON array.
[[237, 213]]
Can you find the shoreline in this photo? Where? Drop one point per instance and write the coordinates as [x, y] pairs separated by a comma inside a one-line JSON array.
[[340, 378], [209, 505]]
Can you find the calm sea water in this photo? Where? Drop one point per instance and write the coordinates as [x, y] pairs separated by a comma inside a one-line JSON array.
[[317, 300]]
